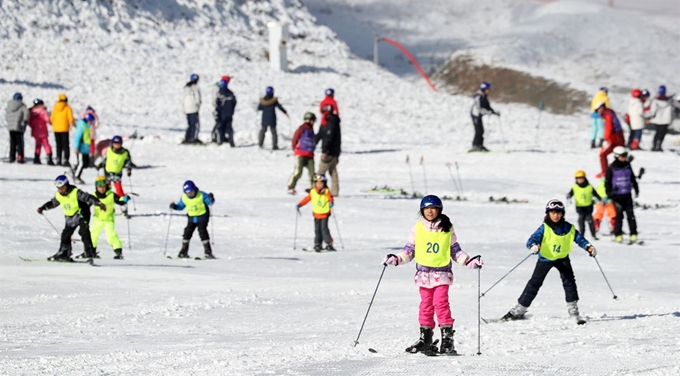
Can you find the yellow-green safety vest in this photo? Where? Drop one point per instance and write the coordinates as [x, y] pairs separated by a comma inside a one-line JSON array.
[[320, 203], [601, 190], [107, 215], [553, 246], [583, 196], [69, 203], [433, 249], [114, 161], [195, 206], [86, 136]]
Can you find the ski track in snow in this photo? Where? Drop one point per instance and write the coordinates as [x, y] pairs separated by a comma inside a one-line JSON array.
[[263, 308]]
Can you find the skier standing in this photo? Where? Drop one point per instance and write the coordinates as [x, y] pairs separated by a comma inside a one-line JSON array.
[[115, 160], [93, 132], [619, 184], [331, 147], [604, 206], [597, 127], [480, 107], [434, 245], [328, 100], [191, 104], [81, 145], [268, 105], [76, 206], [613, 135], [17, 119], [322, 202], [636, 119], [106, 218], [225, 105], [198, 205], [303, 148], [62, 121], [38, 120], [583, 194], [552, 241], [660, 115]]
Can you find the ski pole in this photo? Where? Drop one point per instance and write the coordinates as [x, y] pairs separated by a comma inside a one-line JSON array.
[[129, 242], [410, 172], [506, 274], [479, 311], [422, 163], [167, 235], [605, 278], [500, 127], [448, 165], [134, 206], [50, 222], [460, 182], [339, 236], [212, 229], [370, 304], [297, 215]]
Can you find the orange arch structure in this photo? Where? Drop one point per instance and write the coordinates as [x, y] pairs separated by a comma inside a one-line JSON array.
[[410, 57]]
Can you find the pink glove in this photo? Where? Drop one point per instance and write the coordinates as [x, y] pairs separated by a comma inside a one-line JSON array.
[[475, 263], [391, 260]]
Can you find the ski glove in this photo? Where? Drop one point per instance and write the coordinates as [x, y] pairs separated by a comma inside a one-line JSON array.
[[129, 172], [475, 263], [591, 250], [211, 197], [534, 249], [102, 207], [330, 204], [173, 206], [391, 259], [125, 198], [40, 210]]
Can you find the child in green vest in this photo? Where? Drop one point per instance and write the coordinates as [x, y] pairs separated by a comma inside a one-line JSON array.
[[583, 194], [115, 160], [76, 206], [322, 202], [198, 205], [106, 219], [552, 241]]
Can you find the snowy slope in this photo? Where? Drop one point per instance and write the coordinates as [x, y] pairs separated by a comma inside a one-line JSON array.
[[262, 307]]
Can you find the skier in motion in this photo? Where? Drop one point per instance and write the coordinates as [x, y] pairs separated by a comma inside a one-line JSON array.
[[481, 107], [198, 205]]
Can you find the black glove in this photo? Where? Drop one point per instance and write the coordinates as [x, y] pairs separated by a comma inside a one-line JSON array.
[[173, 206], [129, 172], [637, 193], [102, 207], [211, 197]]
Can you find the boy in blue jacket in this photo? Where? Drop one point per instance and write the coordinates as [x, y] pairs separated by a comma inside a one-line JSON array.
[[81, 145], [552, 241], [198, 205]]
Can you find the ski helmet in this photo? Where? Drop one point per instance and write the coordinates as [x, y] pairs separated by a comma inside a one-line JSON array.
[[225, 78], [485, 86], [645, 93], [636, 93], [100, 181], [193, 78], [554, 205], [330, 92], [17, 96], [224, 84], [189, 186], [269, 90], [580, 174], [89, 108], [61, 181], [320, 177], [620, 151], [117, 140], [431, 200], [604, 88], [310, 116], [89, 117], [662, 89], [38, 101]]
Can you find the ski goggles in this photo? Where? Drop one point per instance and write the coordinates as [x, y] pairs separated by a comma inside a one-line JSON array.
[[554, 205], [319, 177], [60, 183], [101, 181]]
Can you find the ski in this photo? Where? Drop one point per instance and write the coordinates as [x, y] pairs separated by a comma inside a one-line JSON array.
[[642, 242], [183, 258], [322, 250], [88, 261], [499, 321]]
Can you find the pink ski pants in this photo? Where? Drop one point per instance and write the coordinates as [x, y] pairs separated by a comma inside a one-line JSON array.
[[435, 300]]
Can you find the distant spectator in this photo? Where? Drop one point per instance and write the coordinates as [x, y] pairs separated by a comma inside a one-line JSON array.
[[225, 104], [39, 118], [329, 100], [597, 127], [192, 104], [62, 121], [636, 119], [481, 107], [661, 113], [268, 105], [17, 119]]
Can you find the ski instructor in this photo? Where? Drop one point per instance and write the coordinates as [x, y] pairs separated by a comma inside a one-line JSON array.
[[480, 107]]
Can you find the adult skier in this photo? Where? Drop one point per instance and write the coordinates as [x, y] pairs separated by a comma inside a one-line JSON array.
[[198, 205], [331, 147], [62, 121], [636, 119], [268, 105], [328, 100], [303, 148], [225, 105], [191, 105], [481, 107], [17, 119], [619, 184], [613, 135], [661, 113]]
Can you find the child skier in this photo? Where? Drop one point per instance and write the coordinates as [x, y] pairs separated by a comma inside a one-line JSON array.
[[81, 145], [76, 206], [303, 146], [619, 184], [605, 205], [583, 194], [115, 159], [106, 219], [552, 241], [198, 214], [322, 202], [433, 244], [38, 120]]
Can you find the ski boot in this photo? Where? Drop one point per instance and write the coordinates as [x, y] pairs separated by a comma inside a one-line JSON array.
[[329, 248], [119, 254], [592, 144], [66, 164], [79, 180], [572, 308], [424, 343], [447, 346], [292, 191], [62, 255], [317, 248], [208, 250], [618, 239], [516, 313], [633, 238], [184, 252], [50, 162], [36, 159], [84, 255]]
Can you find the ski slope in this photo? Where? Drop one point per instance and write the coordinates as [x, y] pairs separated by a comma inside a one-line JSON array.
[[263, 308]]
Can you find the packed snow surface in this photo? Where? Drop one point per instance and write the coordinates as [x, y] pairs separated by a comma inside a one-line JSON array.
[[264, 308]]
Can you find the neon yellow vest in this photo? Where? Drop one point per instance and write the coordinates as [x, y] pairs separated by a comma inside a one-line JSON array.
[[69, 203], [583, 196], [555, 246], [86, 136], [601, 190], [107, 215], [320, 203], [433, 249], [195, 206], [114, 161]]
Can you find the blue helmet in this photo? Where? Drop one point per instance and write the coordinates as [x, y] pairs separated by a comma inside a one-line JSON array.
[[89, 117], [485, 86], [117, 140], [193, 77], [61, 181], [604, 88], [17, 96], [330, 92], [269, 90], [431, 200], [662, 90], [189, 186], [224, 84], [645, 93]]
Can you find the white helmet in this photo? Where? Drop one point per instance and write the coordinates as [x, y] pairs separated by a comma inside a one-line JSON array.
[[620, 151]]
